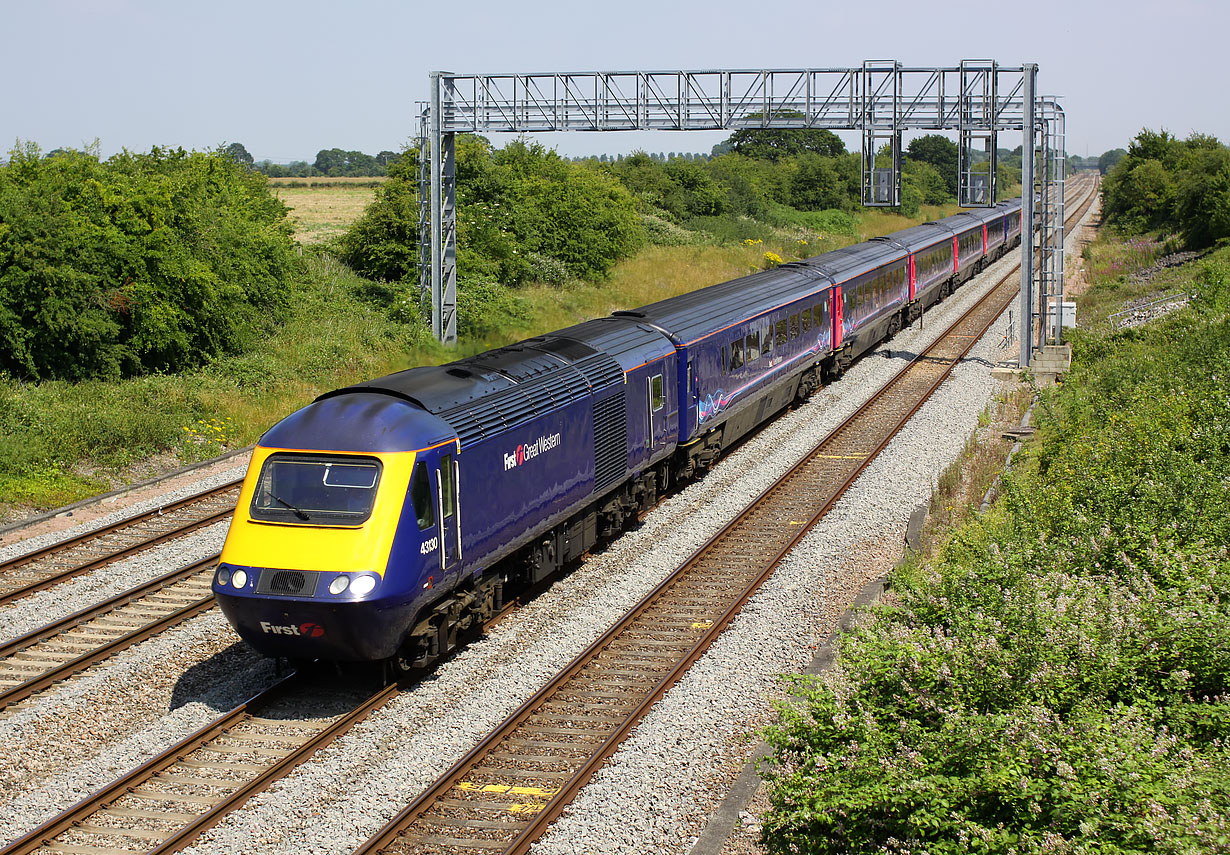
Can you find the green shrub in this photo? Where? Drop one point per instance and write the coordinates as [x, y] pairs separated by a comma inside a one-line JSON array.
[[143, 262]]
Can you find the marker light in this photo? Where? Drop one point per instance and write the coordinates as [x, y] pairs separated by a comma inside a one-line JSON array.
[[224, 575], [339, 584], [239, 578], [363, 586]]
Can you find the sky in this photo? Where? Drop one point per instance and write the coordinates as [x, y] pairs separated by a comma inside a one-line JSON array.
[[287, 79]]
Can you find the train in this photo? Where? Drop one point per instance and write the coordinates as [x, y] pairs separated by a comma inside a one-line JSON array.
[[388, 520]]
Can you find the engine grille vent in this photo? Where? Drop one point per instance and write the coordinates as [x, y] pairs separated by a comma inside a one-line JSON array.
[[287, 583], [610, 440]]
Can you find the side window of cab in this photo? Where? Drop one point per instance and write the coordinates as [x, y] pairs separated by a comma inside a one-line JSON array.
[[420, 497]]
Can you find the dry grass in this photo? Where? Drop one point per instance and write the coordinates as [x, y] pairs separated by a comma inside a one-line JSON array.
[[873, 222], [327, 181], [961, 486], [324, 211]]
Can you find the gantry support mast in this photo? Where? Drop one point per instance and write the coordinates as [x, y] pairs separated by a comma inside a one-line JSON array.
[[978, 99]]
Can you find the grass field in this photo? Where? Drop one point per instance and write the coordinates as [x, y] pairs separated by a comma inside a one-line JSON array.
[[322, 208]]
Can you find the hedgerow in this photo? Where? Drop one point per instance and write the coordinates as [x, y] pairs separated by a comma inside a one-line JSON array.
[[1058, 678], [139, 263]]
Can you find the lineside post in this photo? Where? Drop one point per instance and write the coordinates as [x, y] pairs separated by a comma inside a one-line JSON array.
[[1027, 216], [443, 219], [436, 189]]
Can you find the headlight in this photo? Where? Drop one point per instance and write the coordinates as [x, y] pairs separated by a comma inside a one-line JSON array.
[[224, 575], [363, 586], [239, 578], [339, 584]]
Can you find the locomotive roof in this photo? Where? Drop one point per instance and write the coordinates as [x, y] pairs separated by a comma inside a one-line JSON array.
[[361, 422], [484, 394]]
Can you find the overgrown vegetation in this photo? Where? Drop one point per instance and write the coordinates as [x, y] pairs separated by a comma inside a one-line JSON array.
[[140, 263], [1057, 679]]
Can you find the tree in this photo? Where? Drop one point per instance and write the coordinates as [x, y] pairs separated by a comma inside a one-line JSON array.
[[941, 153], [929, 183], [143, 262], [1108, 159], [236, 152], [778, 143], [816, 184], [1202, 195]]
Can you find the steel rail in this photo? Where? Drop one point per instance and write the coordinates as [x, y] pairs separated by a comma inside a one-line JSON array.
[[981, 316], [118, 527], [292, 689], [32, 640]]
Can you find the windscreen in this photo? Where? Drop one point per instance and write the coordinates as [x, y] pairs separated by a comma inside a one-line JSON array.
[[316, 489]]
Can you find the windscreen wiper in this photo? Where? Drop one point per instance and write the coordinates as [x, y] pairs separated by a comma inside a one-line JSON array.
[[300, 514]]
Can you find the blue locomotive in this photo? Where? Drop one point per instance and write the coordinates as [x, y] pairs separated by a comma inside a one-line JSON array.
[[385, 520]]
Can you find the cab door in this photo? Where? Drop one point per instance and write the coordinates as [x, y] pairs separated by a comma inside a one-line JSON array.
[[448, 510]]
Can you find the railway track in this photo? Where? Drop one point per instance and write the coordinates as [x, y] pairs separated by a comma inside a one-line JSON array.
[[504, 794], [57, 651], [163, 805], [36, 571]]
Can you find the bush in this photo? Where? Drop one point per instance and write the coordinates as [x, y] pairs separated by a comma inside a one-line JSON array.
[[143, 262], [523, 214], [1164, 182], [1057, 679]]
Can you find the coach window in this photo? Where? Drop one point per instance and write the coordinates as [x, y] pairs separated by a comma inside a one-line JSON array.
[[794, 327], [753, 346], [420, 496], [657, 396], [805, 319], [736, 355], [781, 334]]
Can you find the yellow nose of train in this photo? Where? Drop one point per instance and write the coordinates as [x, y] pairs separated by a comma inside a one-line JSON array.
[[325, 557]]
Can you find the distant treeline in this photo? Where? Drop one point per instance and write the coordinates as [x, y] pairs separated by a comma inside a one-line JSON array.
[[331, 162]]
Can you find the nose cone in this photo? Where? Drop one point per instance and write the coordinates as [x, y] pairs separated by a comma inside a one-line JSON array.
[[344, 632]]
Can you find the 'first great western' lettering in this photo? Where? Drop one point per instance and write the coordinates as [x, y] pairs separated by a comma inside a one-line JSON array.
[[529, 450]]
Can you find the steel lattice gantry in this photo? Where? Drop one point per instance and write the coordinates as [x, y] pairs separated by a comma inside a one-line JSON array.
[[978, 99]]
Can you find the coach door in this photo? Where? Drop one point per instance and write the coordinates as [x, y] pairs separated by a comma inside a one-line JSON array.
[[663, 409]]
